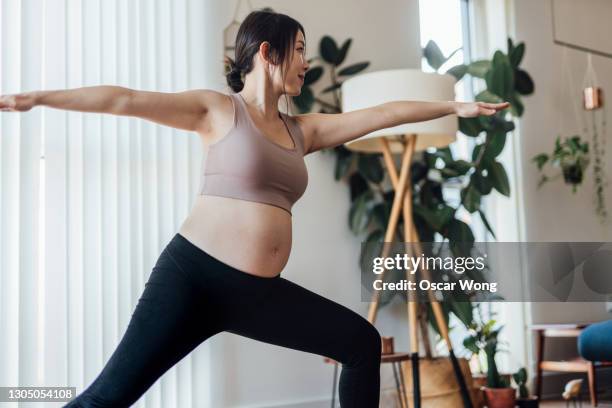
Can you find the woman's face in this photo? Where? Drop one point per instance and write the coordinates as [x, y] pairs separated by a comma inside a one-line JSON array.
[[296, 68]]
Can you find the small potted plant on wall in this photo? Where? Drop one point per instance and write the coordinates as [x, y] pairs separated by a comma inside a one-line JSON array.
[[524, 400], [498, 392], [571, 156]]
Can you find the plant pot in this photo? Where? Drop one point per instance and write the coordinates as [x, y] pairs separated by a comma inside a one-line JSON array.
[[438, 386], [573, 174], [529, 402], [500, 397], [480, 379]]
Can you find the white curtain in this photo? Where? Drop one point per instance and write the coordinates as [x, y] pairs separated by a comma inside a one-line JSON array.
[[88, 200]]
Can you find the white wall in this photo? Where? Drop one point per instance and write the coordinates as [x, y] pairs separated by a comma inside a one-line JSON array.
[[553, 213], [325, 252]]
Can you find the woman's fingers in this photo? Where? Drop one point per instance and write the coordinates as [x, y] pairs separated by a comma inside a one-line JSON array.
[[495, 105], [6, 103]]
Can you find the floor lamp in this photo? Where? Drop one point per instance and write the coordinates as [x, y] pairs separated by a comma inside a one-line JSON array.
[[379, 87]]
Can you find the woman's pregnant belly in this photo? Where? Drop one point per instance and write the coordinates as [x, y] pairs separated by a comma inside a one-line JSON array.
[[252, 237]]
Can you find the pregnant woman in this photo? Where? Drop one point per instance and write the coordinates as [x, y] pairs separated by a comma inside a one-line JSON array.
[[221, 270]]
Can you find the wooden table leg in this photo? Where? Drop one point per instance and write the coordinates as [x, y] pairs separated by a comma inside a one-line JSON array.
[[396, 208], [540, 358], [592, 384], [398, 386]]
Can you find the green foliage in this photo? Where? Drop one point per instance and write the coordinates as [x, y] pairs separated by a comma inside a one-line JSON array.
[[482, 341], [434, 216]]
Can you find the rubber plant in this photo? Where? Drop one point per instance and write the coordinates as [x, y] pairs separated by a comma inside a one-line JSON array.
[[434, 214]]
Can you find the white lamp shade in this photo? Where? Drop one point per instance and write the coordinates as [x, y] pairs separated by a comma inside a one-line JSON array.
[[374, 88]]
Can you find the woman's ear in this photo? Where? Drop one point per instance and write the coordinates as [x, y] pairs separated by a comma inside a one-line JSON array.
[[264, 52]]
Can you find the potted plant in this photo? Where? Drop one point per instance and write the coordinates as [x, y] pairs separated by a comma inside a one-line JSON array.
[[498, 392], [524, 400], [571, 156]]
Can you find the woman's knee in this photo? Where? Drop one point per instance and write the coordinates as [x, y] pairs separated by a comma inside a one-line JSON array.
[[366, 345]]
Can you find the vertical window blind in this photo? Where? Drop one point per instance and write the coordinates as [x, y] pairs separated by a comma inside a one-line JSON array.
[[89, 200]]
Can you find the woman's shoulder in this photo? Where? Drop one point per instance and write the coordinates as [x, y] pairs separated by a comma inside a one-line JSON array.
[[219, 114]]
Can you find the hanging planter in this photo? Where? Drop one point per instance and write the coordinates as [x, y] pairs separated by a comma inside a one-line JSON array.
[[571, 156]]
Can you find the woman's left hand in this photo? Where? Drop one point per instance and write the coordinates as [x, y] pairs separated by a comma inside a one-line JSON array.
[[474, 109]]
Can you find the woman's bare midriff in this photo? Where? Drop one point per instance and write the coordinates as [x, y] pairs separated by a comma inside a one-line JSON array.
[[249, 236]]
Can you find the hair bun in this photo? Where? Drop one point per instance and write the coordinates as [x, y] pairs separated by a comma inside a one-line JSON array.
[[234, 76]]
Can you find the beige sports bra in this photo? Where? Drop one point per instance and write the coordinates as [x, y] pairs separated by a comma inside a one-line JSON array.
[[247, 165]]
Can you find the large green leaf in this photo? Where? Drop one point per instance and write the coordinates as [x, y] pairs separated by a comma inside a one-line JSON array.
[[523, 82], [343, 51], [479, 68], [499, 178], [470, 126], [516, 55], [444, 153], [495, 123], [380, 214], [358, 185], [359, 213], [329, 49], [516, 105], [461, 237], [482, 183], [500, 78], [460, 166], [431, 193], [370, 167], [436, 219], [486, 223], [462, 309], [343, 163], [433, 55], [304, 100], [470, 344], [470, 198], [312, 75], [353, 69], [495, 145], [332, 87], [458, 71]]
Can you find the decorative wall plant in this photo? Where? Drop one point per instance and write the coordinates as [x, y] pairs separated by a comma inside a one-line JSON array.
[[571, 156], [434, 214]]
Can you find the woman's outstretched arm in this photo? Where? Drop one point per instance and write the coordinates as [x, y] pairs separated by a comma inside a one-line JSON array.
[[324, 130], [183, 110]]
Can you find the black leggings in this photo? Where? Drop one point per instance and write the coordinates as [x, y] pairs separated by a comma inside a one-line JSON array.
[[191, 296]]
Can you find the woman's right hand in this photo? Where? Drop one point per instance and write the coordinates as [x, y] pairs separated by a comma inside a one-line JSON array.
[[21, 102]]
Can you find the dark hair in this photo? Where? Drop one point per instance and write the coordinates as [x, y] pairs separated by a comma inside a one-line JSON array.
[[278, 29]]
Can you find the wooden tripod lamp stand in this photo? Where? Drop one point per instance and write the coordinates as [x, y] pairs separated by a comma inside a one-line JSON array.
[[379, 87]]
